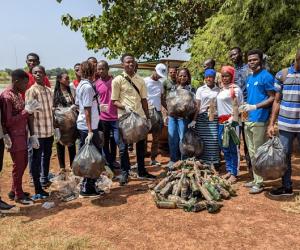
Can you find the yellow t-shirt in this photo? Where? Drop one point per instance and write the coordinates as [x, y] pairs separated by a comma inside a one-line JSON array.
[[126, 94]]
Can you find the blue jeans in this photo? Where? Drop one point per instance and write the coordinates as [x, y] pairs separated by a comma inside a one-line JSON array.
[[40, 162], [176, 130], [109, 148], [230, 153], [88, 184], [287, 139]]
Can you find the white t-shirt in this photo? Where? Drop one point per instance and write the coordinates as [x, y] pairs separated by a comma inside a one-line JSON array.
[[155, 90], [224, 100], [85, 97], [205, 94]]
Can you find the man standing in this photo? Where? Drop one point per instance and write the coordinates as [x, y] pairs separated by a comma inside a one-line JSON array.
[[43, 132], [88, 119], [15, 119], [109, 113], [129, 93], [287, 108], [241, 72], [155, 101], [77, 80], [260, 96], [170, 83]]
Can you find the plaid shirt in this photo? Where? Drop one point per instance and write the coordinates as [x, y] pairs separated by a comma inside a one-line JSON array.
[[43, 120]]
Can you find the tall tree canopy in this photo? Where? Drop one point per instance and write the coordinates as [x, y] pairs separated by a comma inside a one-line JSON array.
[[145, 28], [151, 28]]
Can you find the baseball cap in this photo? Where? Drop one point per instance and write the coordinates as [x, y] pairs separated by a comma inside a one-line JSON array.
[[161, 70]]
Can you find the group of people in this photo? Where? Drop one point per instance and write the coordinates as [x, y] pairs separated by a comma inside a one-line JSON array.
[[245, 97]]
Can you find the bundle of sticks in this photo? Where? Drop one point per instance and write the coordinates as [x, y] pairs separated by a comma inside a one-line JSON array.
[[192, 187]]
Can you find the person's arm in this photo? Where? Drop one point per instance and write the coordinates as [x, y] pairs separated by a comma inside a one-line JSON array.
[[267, 103], [30, 125], [145, 107], [10, 119], [118, 104], [274, 114], [88, 118]]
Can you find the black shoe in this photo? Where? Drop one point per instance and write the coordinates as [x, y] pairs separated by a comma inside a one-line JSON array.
[[25, 201], [4, 207], [11, 195], [146, 176], [44, 193], [123, 179], [88, 195], [282, 191]]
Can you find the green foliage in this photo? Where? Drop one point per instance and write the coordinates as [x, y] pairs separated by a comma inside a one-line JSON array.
[[56, 71], [271, 25], [147, 29]]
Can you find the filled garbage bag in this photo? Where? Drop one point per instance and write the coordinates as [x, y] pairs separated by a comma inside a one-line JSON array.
[[270, 160], [133, 128], [65, 119], [192, 144], [156, 119], [181, 103], [88, 162]]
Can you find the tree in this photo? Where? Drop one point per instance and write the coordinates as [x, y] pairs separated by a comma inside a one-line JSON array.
[[147, 29], [271, 25]]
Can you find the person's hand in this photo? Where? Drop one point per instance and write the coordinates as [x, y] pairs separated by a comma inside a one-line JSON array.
[[74, 107], [88, 139], [247, 107], [7, 141], [271, 131], [34, 142], [32, 106], [192, 124], [149, 124], [57, 134], [103, 107], [128, 109]]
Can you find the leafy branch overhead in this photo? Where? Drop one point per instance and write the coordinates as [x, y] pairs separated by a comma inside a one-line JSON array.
[[144, 28]]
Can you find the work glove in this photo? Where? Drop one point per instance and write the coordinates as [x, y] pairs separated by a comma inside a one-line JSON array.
[[34, 142], [88, 139], [103, 107], [192, 124], [57, 134], [128, 109], [32, 106], [149, 124], [7, 141], [247, 107]]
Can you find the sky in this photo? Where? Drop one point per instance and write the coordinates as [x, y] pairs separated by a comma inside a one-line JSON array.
[[35, 26]]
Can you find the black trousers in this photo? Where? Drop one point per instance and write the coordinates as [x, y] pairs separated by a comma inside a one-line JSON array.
[[60, 149]]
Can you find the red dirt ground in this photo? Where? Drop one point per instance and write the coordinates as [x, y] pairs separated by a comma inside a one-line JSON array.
[[128, 219]]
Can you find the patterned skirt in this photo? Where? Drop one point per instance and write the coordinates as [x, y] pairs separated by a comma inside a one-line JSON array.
[[208, 131]]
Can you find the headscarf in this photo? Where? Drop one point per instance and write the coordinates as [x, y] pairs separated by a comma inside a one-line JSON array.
[[230, 70], [209, 72]]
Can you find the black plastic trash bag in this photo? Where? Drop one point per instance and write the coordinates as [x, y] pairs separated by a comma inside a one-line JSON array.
[[192, 144], [65, 119], [156, 120], [270, 160], [88, 162], [181, 103], [133, 128]]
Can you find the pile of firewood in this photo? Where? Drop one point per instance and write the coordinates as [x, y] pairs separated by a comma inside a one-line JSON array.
[[192, 187]]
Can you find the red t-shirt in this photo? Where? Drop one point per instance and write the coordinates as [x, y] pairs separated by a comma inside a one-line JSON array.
[[76, 82], [32, 81]]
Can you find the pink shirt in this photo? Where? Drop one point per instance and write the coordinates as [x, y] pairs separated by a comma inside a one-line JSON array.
[[104, 90]]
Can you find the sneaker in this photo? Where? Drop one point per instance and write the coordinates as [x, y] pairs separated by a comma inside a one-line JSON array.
[[5, 208], [44, 193], [88, 195], [281, 192], [154, 163], [256, 189], [11, 195], [123, 179], [38, 197], [146, 176], [24, 201], [249, 184]]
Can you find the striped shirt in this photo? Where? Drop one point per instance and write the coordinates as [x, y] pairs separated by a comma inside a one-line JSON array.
[[289, 114], [43, 120]]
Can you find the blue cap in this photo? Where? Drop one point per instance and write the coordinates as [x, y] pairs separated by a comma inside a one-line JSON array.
[[209, 72]]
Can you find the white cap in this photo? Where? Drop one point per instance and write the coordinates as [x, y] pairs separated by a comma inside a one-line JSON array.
[[161, 70]]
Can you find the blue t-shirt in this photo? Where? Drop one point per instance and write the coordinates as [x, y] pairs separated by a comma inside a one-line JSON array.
[[257, 86]]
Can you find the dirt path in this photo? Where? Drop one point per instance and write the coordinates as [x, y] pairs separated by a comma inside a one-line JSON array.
[[128, 219]]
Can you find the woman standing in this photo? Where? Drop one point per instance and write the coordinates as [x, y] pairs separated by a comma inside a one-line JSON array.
[[63, 98], [206, 121], [178, 125], [228, 101]]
